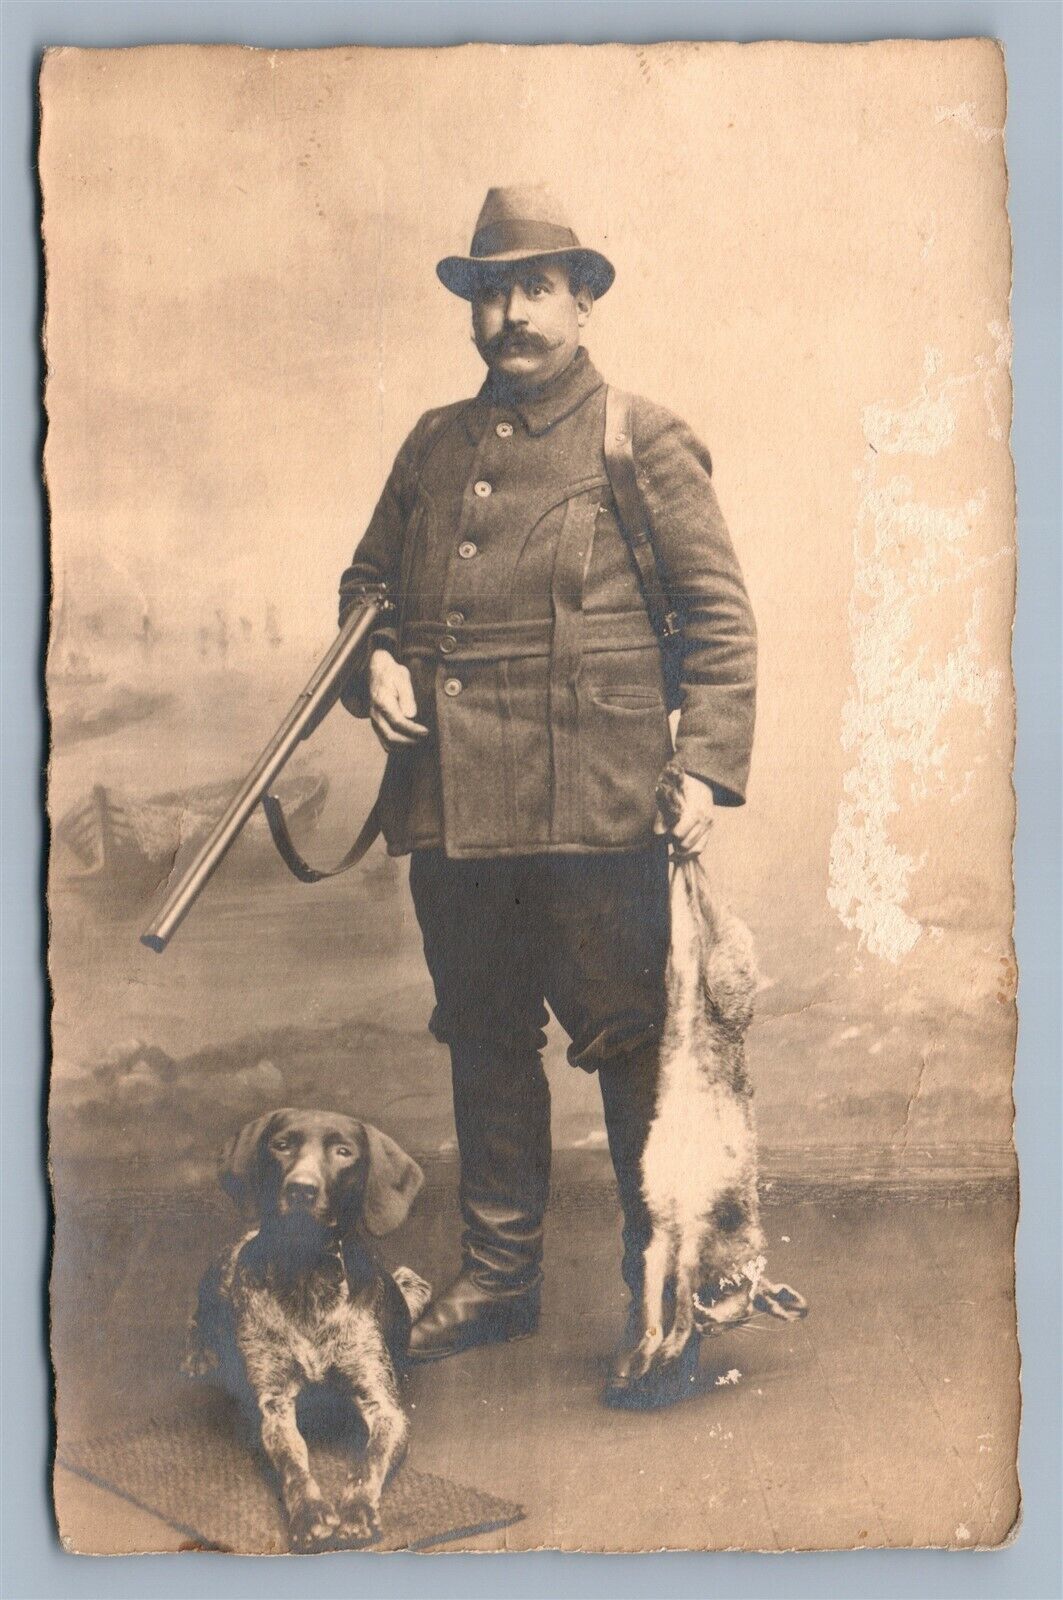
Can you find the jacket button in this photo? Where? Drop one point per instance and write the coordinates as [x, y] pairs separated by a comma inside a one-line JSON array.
[[466, 549], [455, 619], [504, 430], [482, 488], [452, 687], [448, 644]]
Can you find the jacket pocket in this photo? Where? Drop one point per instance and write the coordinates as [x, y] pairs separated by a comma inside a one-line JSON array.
[[624, 742], [622, 698]]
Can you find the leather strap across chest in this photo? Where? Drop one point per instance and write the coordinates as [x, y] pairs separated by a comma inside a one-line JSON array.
[[631, 508]]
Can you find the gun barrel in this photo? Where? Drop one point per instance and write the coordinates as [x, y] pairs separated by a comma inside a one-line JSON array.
[[315, 700]]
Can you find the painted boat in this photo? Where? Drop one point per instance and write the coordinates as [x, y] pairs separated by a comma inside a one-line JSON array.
[[112, 842]]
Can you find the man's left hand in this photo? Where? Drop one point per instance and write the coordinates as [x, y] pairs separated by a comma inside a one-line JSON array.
[[694, 823]]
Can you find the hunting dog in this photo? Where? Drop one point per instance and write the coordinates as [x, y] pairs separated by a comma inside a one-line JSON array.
[[704, 1264], [303, 1299]]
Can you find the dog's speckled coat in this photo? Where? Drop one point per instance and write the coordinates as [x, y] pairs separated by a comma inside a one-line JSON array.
[[303, 1299]]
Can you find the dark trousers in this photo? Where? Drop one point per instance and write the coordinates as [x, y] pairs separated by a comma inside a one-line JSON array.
[[504, 938]]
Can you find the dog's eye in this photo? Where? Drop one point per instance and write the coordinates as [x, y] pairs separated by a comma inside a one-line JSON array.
[[279, 1144], [343, 1150]]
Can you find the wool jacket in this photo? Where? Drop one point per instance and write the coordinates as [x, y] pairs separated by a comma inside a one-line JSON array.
[[521, 618]]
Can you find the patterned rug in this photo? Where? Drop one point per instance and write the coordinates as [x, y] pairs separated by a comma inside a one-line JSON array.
[[205, 1481]]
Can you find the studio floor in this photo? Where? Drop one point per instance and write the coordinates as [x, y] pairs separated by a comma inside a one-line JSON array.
[[888, 1417]]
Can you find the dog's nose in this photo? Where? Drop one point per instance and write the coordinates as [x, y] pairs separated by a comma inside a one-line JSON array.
[[301, 1194]]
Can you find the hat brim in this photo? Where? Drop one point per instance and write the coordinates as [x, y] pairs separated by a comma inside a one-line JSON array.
[[459, 273]]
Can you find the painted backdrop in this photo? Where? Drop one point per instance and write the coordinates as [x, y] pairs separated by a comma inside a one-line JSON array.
[[243, 322]]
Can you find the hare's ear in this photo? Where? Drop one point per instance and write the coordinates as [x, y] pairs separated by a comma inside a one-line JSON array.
[[240, 1171], [391, 1185], [779, 1300]]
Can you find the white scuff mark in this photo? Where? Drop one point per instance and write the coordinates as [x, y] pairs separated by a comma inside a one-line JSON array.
[[895, 718], [926, 424], [849, 1033], [963, 1534], [754, 1271], [990, 368], [924, 427], [964, 116], [728, 1377], [595, 1140]]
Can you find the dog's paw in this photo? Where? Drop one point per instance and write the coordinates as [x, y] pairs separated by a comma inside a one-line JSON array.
[[312, 1524], [779, 1300], [414, 1290], [359, 1520]]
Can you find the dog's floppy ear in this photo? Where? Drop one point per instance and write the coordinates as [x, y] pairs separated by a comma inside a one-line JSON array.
[[392, 1184], [239, 1171]]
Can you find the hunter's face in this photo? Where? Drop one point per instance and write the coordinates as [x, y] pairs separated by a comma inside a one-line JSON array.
[[526, 321]]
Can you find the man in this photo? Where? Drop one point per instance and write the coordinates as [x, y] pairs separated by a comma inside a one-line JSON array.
[[521, 696]]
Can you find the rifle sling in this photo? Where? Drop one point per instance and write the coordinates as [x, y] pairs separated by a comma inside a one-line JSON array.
[[301, 869]]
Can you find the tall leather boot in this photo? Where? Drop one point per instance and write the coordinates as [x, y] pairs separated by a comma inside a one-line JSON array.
[[502, 1117]]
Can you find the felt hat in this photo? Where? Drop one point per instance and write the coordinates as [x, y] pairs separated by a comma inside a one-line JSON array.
[[522, 223]]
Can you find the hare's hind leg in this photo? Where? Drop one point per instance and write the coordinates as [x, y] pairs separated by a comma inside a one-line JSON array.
[[635, 1363], [688, 1257]]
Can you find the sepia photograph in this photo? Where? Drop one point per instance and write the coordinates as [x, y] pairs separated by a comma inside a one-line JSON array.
[[530, 906]]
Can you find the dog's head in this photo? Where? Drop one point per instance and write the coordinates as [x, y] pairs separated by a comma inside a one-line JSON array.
[[323, 1166]]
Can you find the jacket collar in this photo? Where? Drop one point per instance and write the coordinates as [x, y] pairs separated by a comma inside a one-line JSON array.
[[545, 407]]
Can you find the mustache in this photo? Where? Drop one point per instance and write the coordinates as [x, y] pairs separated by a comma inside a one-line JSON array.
[[523, 341]]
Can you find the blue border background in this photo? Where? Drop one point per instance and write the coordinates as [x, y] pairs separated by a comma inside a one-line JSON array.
[[33, 1565]]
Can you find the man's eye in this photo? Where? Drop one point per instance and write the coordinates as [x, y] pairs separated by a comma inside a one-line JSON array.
[[539, 289]]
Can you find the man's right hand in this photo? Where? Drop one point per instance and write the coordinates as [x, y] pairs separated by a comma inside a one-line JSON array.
[[392, 706]]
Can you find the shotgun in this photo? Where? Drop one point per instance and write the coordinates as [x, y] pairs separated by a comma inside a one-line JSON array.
[[312, 706]]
